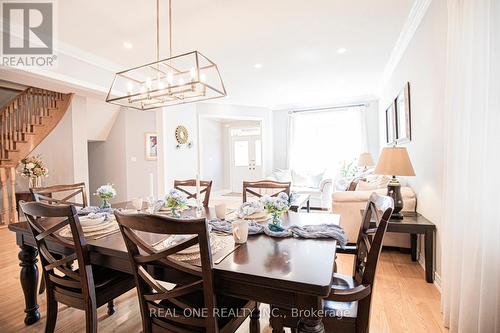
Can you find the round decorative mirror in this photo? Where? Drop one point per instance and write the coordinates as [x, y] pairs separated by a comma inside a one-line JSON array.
[[181, 134]]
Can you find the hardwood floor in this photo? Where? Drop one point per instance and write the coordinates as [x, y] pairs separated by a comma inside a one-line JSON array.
[[403, 301]]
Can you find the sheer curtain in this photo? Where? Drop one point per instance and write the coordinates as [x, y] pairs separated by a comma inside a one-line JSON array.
[[471, 213], [322, 140]]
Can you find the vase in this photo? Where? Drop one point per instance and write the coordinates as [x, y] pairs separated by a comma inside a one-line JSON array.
[[105, 204], [276, 223], [34, 182], [175, 213]]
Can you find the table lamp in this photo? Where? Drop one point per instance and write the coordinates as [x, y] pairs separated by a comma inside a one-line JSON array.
[[365, 160], [394, 161]]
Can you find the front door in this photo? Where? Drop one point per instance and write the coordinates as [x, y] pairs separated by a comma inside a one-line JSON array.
[[246, 160]]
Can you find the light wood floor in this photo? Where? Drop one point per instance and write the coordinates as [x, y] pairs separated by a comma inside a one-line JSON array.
[[403, 301]]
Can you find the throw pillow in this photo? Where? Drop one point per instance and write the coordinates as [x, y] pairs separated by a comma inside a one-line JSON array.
[[282, 175]]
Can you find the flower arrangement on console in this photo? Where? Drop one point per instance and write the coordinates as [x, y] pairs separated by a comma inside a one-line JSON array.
[[276, 206], [176, 200], [105, 192], [33, 168]]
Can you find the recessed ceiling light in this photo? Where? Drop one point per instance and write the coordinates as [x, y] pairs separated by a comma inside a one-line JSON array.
[[257, 66], [342, 50], [127, 45]]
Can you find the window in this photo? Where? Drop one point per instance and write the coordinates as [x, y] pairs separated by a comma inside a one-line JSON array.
[[322, 140]]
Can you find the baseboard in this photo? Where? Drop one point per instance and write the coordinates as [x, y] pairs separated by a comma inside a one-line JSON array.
[[437, 277]]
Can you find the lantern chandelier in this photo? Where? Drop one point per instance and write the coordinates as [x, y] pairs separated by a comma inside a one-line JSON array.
[[185, 78]]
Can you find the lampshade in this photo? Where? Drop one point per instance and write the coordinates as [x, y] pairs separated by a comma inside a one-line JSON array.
[[394, 161], [365, 160]]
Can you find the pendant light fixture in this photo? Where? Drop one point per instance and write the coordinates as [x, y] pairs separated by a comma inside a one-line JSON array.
[[185, 78]]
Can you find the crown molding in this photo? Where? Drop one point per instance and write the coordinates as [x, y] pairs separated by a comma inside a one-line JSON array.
[[411, 25]]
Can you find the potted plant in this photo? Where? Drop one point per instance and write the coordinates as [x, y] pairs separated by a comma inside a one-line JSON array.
[[276, 206], [175, 200], [105, 192]]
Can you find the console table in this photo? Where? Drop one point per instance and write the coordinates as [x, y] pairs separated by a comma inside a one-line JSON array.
[[415, 224]]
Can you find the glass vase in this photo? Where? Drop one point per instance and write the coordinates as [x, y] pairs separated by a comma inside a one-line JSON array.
[[276, 223], [34, 182], [105, 204], [175, 212]]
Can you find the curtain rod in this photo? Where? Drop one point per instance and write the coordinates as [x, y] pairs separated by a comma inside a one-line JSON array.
[[329, 108]]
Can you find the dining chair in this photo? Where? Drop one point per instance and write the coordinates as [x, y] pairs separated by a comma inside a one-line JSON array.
[[347, 307], [192, 305], [186, 185], [49, 194], [87, 287], [268, 185]]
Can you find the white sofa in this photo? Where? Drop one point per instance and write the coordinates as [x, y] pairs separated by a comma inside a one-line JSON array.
[[350, 203], [319, 187]]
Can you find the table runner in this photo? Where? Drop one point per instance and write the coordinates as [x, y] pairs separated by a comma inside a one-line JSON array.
[[308, 231]]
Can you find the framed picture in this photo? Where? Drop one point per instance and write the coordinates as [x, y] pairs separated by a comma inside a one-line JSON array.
[[390, 125], [151, 144], [403, 115]]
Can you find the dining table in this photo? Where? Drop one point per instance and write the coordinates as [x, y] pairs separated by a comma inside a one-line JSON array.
[[294, 273]]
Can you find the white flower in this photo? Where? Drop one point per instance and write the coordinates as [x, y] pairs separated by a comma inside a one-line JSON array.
[[30, 166]]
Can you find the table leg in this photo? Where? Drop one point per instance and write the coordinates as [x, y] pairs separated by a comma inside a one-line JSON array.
[[413, 242], [308, 206], [429, 256], [310, 321], [29, 279]]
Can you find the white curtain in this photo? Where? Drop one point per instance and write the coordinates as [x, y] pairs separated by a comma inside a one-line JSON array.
[[471, 212], [322, 140]]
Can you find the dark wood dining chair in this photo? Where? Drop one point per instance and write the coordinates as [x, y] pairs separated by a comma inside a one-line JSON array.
[[275, 187], [87, 287], [51, 194], [347, 308], [186, 186], [163, 309]]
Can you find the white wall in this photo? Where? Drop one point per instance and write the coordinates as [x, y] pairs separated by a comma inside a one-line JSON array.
[[182, 163], [120, 160], [424, 65], [212, 152]]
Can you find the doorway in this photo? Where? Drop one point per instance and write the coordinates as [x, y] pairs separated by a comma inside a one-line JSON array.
[[246, 155]]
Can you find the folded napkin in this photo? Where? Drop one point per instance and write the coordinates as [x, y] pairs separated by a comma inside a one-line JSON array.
[[249, 208], [87, 210], [225, 226]]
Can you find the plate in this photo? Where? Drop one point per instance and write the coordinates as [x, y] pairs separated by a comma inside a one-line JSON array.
[[176, 239]]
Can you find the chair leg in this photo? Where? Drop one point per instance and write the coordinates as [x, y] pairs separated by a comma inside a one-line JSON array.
[[50, 325], [111, 308], [276, 322], [255, 319], [42, 285], [91, 319]]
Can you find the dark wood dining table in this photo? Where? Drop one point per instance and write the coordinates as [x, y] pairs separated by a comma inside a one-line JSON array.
[[286, 272]]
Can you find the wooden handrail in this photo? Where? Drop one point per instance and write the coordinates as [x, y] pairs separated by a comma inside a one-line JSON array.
[[24, 122]]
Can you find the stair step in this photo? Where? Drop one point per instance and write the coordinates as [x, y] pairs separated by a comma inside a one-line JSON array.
[[11, 150]]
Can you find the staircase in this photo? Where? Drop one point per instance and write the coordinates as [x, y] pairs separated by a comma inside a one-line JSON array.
[[24, 123]]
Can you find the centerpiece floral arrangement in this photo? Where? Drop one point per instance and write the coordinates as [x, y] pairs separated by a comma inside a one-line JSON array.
[[176, 200], [33, 168], [276, 206], [105, 192]]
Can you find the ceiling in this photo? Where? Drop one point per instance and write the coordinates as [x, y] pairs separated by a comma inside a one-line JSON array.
[[296, 41]]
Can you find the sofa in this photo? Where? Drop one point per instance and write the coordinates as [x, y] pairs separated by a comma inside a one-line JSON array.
[[319, 186], [349, 204]]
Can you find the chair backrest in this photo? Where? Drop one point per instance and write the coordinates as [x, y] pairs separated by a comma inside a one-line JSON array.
[[45, 222], [192, 281], [186, 185], [268, 185], [378, 211], [69, 192]]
